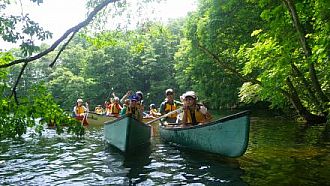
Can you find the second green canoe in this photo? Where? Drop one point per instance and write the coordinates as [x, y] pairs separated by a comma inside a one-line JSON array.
[[127, 134], [227, 136], [97, 119]]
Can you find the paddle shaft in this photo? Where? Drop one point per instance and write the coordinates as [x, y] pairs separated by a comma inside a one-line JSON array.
[[165, 115]]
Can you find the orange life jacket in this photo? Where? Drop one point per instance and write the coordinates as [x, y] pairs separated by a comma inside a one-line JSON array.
[[80, 110], [115, 108]]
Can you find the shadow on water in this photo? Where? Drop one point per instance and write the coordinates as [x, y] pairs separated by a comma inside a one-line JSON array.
[[212, 169], [176, 166], [132, 162], [160, 164]]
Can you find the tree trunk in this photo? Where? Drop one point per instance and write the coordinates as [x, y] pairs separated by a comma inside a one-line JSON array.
[[303, 112], [306, 48], [292, 96], [307, 86]]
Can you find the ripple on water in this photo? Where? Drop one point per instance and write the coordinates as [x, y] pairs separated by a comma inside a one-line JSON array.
[[67, 160]]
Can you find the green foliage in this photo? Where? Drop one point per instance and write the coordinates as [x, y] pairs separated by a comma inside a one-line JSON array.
[[133, 60], [22, 29], [269, 61], [249, 93], [221, 27], [5, 57], [36, 110], [272, 57], [249, 41]]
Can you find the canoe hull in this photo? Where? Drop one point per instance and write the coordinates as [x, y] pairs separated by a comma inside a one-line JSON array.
[[227, 136], [97, 119], [127, 134]]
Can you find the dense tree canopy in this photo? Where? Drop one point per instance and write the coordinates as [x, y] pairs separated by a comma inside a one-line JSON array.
[[230, 52]]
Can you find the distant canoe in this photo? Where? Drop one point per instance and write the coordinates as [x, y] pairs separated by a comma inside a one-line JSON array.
[[228, 136], [127, 133], [97, 119]]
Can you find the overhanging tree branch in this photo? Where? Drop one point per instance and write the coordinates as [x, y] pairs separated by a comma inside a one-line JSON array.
[[61, 50], [63, 37], [225, 66], [14, 93]]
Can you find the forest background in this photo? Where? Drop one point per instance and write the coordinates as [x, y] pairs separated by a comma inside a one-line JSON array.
[[234, 54]]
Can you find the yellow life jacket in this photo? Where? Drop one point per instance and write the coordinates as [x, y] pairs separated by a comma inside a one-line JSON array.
[[154, 112], [134, 112], [80, 110], [200, 118], [169, 108], [98, 110], [115, 108]]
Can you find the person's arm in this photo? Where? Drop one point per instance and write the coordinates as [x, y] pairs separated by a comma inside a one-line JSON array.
[[75, 111], [178, 103], [86, 107], [185, 113], [162, 108], [206, 114], [128, 93], [85, 110]]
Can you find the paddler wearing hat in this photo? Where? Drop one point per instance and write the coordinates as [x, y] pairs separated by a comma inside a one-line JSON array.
[[194, 113]]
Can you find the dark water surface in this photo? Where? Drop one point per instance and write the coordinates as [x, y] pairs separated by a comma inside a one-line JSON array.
[[280, 152]]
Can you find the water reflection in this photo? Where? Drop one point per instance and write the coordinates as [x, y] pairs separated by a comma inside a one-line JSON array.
[[279, 153], [283, 152], [160, 164], [129, 165], [171, 165]]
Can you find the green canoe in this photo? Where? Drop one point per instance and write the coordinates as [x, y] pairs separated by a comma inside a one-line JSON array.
[[228, 136], [97, 119], [127, 133]]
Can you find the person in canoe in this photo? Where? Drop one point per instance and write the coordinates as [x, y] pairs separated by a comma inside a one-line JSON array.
[[125, 97], [125, 106], [98, 110], [153, 112], [108, 107], [193, 112], [80, 112], [115, 107], [168, 105], [134, 109], [139, 94]]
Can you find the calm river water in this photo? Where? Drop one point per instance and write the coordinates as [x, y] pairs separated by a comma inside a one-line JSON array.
[[280, 152]]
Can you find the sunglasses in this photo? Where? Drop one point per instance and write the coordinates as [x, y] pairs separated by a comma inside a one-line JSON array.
[[169, 94]]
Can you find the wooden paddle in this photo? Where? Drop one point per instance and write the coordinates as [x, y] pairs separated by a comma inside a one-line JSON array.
[[165, 115]]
